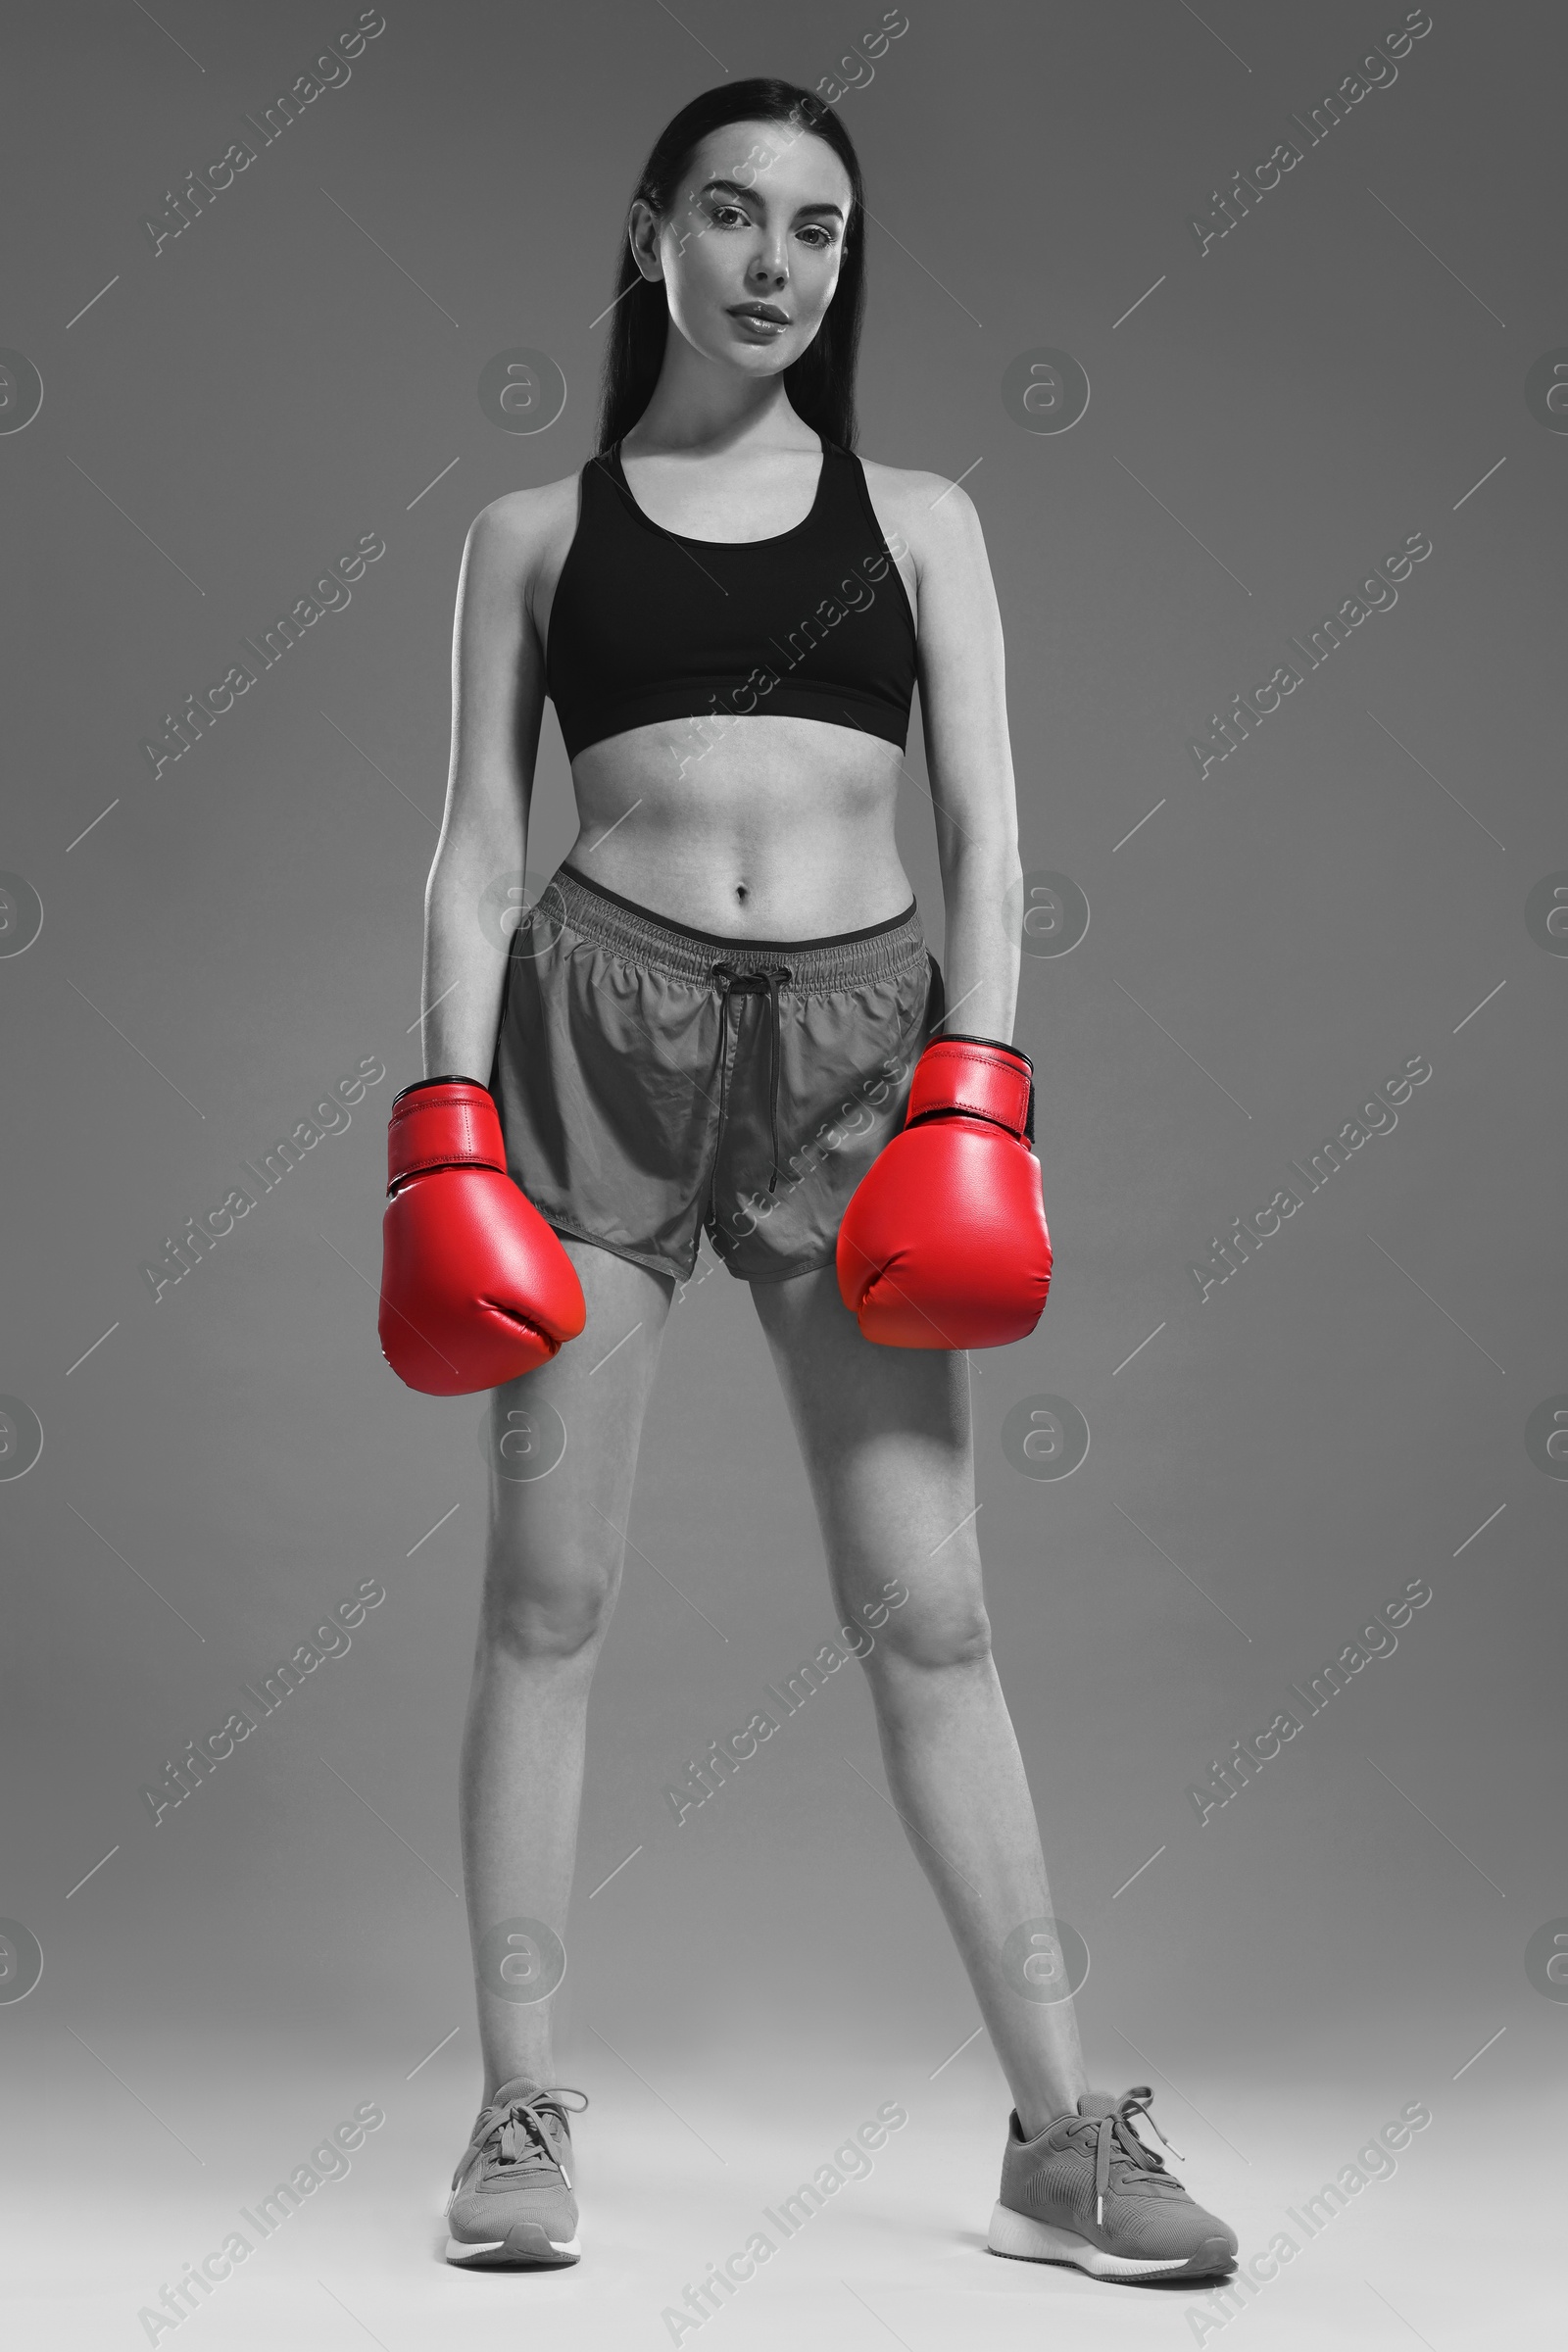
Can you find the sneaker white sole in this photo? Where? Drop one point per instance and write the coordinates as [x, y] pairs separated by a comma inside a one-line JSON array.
[[478, 2250], [1029, 2240]]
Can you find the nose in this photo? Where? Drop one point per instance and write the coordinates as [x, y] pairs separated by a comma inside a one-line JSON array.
[[769, 268]]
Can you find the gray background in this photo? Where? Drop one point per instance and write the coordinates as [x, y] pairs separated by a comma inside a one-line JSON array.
[[1338, 896]]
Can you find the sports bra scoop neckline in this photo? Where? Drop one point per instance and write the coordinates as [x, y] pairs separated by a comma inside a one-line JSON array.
[[685, 539]]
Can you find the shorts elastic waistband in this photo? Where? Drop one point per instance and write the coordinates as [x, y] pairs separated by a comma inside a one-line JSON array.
[[656, 942]]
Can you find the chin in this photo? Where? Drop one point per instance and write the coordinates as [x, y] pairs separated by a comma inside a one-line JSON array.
[[757, 359]]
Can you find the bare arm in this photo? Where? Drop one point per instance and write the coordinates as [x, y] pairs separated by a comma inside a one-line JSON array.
[[964, 708], [497, 703]]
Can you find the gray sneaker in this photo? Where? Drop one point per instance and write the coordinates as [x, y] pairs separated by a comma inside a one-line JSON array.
[[511, 2200], [1088, 2190]]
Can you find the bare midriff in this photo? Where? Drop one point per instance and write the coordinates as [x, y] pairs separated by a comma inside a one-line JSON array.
[[756, 827]]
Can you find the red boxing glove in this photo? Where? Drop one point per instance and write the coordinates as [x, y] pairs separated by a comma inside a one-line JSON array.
[[475, 1288], [944, 1242]]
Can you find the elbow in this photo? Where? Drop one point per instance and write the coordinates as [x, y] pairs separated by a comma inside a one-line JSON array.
[[990, 857], [473, 865]]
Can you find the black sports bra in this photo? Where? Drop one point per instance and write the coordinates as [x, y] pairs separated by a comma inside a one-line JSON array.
[[647, 625]]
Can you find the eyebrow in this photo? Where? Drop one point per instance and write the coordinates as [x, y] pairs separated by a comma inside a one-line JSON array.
[[732, 187]]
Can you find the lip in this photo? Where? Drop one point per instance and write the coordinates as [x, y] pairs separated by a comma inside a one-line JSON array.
[[761, 313]]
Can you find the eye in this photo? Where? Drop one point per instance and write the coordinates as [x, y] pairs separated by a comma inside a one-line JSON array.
[[732, 210], [816, 230]]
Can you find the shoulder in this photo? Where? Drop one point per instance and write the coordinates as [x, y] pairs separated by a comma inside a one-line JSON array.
[[518, 526], [517, 543], [936, 517]]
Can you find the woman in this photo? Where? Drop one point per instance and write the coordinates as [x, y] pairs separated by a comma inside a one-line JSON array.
[[717, 1015]]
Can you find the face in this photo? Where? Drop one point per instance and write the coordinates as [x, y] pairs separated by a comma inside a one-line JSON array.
[[749, 253]]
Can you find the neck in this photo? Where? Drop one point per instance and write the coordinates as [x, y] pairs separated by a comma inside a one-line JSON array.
[[697, 405]]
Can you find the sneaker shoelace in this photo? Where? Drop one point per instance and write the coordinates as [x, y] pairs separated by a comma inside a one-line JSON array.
[[1118, 2146], [515, 2126]]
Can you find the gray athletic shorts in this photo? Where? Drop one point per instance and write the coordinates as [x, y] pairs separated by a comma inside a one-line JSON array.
[[655, 1082]]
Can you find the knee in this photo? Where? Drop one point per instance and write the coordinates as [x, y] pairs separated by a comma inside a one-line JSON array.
[[558, 1612], [947, 1630]]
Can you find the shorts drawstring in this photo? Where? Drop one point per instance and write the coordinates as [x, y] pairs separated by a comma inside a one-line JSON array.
[[754, 981]]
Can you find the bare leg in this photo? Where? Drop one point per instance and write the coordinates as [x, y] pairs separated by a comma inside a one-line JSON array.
[[552, 1574], [886, 1438]]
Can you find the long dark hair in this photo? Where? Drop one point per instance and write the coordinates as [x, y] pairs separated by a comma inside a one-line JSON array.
[[820, 383]]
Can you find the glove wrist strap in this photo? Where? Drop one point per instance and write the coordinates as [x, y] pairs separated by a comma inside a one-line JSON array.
[[975, 1077], [443, 1123]]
